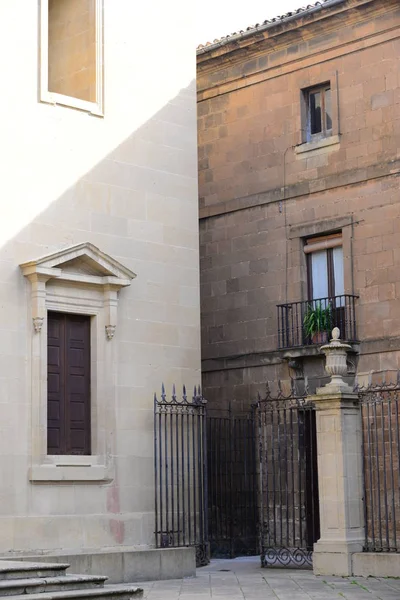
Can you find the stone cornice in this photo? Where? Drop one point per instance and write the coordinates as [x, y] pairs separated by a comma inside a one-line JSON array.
[[291, 52], [278, 34], [83, 265], [304, 188]]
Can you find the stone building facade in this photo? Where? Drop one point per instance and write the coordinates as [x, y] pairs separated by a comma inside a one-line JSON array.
[[99, 268], [299, 137]]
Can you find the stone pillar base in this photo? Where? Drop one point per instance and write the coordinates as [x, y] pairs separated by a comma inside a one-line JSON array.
[[335, 558]]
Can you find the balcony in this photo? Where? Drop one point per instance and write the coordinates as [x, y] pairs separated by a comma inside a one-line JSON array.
[[337, 311]]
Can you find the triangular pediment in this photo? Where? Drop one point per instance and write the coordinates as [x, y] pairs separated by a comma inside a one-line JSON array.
[[80, 261], [84, 265]]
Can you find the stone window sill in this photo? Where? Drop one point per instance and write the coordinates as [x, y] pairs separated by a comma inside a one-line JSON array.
[[77, 470], [324, 144]]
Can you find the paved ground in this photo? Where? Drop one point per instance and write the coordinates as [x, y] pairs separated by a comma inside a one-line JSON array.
[[243, 579]]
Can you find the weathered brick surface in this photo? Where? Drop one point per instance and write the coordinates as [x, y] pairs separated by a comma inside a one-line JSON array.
[[255, 189]]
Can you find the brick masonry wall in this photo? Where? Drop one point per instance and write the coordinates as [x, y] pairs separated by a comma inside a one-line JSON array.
[[259, 197]]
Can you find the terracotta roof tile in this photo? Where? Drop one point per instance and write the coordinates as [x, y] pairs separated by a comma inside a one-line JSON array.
[[292, 15]]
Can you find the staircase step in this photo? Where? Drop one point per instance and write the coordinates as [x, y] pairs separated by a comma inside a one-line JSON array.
[[30, 570], [108, 592], [15, 587]]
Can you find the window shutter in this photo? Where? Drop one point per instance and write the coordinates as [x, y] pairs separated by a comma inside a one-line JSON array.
[[323, 243]]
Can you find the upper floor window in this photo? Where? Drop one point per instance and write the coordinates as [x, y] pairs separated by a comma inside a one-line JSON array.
[[72, 53], [325, 267], [319, 112]]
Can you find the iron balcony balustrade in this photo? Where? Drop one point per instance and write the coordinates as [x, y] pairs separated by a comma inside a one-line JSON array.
[[335, 311]]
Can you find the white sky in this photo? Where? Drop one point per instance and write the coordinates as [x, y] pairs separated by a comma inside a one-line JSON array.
[[217, 18]]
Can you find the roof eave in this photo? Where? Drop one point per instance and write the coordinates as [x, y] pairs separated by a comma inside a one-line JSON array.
[[243, 35]]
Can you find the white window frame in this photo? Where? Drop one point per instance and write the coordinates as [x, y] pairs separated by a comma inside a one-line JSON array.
[[325, 132], [94, 108]]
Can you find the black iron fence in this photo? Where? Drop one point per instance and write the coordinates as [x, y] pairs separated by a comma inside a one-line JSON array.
[[180, 471], [336, 311], [380, 409], [237, 484], [232, 491], [289, 507]]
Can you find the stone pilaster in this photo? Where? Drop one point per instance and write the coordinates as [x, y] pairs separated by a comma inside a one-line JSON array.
[[339, 446]]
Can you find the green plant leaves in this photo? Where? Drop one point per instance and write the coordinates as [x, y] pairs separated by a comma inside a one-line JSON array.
[[317, 318]]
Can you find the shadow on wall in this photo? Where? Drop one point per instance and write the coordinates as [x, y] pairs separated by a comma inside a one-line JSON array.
[[138, 204], [137, 200]]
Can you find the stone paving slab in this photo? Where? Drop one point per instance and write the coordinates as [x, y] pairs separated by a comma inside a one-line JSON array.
[[243, 579]]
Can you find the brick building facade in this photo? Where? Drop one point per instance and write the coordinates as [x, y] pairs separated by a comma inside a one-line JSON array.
[[299, 163]]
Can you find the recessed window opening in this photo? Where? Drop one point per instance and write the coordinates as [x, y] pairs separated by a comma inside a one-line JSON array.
[[72, 48], [71, 53], [319, 112], [325, 266]]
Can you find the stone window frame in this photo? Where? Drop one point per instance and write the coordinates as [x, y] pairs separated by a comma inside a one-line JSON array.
[[94, 108], [54, 288], [298, 234], [325, 132], [321, 144]]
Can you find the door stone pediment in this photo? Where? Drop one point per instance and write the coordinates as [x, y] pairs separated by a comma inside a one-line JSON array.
[[81, 260], [83, 265]]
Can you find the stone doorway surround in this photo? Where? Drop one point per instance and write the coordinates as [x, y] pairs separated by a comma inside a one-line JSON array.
[[79, 280]]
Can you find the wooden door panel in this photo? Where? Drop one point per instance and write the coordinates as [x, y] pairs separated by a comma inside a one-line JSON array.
[[78, 384], [68, 384], [55, 384]]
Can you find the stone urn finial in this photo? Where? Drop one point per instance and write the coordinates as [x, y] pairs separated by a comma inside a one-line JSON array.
[[336, 366]]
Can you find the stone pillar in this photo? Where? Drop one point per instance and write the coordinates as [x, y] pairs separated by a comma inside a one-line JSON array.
[[340, 483]]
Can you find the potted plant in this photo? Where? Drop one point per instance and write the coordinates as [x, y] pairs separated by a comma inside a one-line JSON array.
[[317, 322]]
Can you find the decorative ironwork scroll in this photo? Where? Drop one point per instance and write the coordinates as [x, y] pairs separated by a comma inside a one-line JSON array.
[[289, 506]]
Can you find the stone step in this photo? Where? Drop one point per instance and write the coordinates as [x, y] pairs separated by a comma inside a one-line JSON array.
[[15, 587], [108, 592], [10, 569]]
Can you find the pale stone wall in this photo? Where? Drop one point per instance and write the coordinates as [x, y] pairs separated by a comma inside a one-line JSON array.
[[127, 184]]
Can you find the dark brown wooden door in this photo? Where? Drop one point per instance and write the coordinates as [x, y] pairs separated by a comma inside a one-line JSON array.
[[68, 384]]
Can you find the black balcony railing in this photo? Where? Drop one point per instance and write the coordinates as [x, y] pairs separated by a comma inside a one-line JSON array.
[[337, 311]]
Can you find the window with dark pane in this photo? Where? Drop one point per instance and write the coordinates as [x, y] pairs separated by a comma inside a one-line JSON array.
[[319, 112], [315, 113]]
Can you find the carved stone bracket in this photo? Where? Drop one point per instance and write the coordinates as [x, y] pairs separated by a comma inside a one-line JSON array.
[[110, 331], [83, 265], [37, 324], [297, 366]]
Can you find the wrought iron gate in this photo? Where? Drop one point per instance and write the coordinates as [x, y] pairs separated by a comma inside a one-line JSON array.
[[380, 411], [232, 492], [289, 507], [235, 481], [181, 473]]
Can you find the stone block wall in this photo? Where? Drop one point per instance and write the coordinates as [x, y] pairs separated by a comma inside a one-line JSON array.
[[126, 183], [262, 192]]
